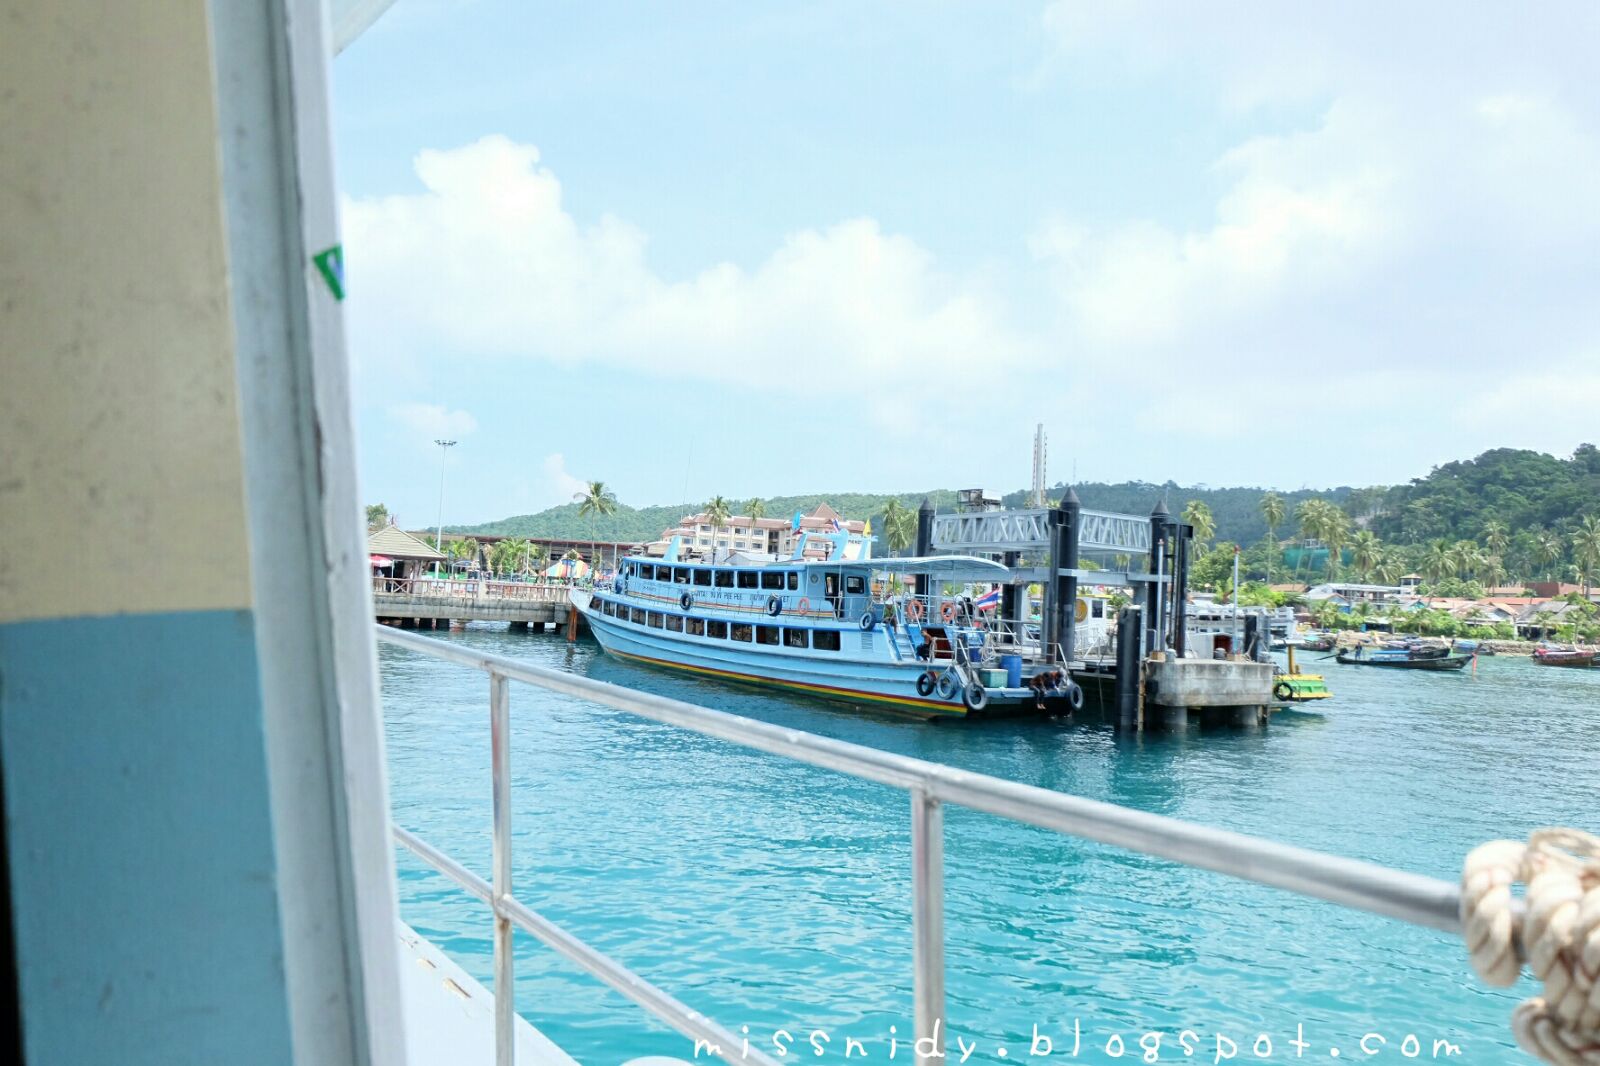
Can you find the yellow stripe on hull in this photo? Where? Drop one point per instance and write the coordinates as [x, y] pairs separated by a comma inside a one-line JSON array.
[[911, 704]]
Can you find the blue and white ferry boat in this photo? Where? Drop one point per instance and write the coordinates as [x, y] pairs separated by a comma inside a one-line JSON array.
[[846, 627]]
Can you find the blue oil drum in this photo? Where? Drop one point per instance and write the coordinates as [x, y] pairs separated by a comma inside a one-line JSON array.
[[1012, 665]]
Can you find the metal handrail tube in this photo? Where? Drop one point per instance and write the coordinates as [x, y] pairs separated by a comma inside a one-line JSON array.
[[505, 979], [1366, 886], [680, 1016]]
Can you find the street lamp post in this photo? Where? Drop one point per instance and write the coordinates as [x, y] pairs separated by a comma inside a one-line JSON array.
[[438, 543]]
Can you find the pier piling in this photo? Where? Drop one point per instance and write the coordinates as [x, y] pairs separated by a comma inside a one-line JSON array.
[[1129, 629]]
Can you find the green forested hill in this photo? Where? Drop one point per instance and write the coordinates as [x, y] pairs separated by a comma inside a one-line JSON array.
[[1507, 515], [1236, 510], [1519, 488]]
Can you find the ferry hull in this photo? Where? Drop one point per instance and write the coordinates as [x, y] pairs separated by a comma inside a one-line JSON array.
[[886, 686]]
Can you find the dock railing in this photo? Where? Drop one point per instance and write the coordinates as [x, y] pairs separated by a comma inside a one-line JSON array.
[[1352, 883], [471, 589]]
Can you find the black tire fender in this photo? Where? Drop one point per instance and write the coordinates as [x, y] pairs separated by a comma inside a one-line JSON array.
[[976, 697]]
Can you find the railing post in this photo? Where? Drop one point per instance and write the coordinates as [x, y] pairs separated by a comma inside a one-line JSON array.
[[505, 1000], [927, 918]]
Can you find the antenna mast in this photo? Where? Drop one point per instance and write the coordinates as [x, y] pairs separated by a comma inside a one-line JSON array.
[[1038, 465]]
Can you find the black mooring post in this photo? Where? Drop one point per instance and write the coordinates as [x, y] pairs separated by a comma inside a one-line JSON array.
[[924, 542], [1182, 535], [1130, 629], [1071, 518], [1160, 525], [1008, 594]]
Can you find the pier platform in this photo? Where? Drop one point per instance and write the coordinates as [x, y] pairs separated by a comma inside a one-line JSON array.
[[430, 602]]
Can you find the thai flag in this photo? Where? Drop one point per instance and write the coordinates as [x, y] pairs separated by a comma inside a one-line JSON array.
[[989, 600], [838, 526]]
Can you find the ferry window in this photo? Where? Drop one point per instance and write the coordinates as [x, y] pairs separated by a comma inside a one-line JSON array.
[[680, 576], [695, 627], [609, 608], [825, 639], [794, 580], [717, 629], [675, 623], [748, 579], [772, 580], [636, 615], [766, 634], [655, 620], [739, 631], [794, 638], [724, 579], [702, 577], [854, 584]]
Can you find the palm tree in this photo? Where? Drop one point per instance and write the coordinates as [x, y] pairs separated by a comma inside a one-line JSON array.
[[1547, 548], [1389, 568], [1335, 531], [756, 508], [1437, 562], [1494, 568], [595, 501], [717, 512], [1197, 514], [1496, 536], [1314, 516], [1466, 557], [1586, 546], [1366, 553], [1272, 510], [899, 525]]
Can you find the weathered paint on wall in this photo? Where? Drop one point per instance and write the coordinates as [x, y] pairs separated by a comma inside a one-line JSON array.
[[120, 471], [143, 878]]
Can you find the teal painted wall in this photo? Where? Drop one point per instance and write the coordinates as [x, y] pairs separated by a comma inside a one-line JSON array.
[[142, 864]]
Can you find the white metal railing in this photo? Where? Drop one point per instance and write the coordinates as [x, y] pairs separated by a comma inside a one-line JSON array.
[[1409, 897], [471, 588]]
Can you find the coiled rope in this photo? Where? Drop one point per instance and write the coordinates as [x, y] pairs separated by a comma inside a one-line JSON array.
[[1558, 931]]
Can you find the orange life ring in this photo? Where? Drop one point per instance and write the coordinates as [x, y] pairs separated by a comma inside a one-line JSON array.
[[948, 611], [804, 607], [915, 610]]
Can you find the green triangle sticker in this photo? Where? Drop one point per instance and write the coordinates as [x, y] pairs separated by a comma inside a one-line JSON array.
[[330, 264]]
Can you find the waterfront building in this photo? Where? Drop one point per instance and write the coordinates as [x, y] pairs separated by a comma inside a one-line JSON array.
[[395, 553], [755, 536], [1353, 593]]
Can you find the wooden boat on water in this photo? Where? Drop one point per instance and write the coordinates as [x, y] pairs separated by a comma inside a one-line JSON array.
[[1291, 686], [1411, 658], [1579, 657]]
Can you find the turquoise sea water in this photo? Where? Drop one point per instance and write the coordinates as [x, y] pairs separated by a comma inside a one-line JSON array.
[[775, 896]]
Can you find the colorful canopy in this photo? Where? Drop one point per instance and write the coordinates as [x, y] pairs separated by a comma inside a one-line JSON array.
[[569, 568], [380, 560]]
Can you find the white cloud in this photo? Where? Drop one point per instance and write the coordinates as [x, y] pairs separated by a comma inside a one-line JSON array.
[[488, 261], [433, 421], [560, 486], [1419, 214]]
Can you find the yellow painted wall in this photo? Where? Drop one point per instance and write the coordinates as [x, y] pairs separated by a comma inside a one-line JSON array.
[[120, 468]]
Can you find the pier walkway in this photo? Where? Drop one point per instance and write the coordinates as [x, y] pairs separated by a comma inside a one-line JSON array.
[[427, 602]]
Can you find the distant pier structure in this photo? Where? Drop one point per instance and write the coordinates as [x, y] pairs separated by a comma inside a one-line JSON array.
[[1148, 678]]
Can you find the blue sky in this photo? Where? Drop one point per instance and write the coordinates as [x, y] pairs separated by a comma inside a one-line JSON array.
[[763, 248]]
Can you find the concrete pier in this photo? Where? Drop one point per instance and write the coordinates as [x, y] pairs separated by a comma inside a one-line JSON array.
[[1234, 691]]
